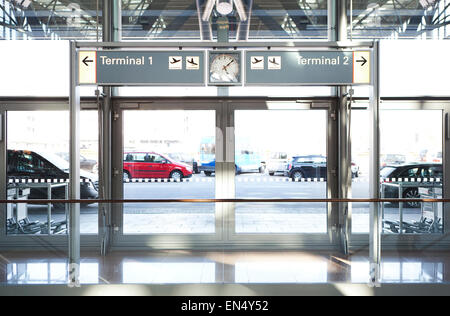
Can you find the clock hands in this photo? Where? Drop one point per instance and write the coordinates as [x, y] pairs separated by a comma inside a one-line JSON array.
[[226, 67]]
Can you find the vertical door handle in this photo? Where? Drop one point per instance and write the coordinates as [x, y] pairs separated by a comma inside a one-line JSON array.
[[447, 126], [1, 127]]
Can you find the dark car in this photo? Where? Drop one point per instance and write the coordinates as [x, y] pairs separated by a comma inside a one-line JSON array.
[[29, 165], [150, 165], [419, 173], [307, 167], [88, 165]]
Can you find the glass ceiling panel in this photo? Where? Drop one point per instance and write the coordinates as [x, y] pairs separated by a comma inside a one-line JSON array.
[[396, 19], [50, 19], [197, 19], [191, 19]]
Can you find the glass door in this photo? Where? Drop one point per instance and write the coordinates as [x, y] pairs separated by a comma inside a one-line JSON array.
[[169, 155], [281, 151], [281, 154], [189, 150]]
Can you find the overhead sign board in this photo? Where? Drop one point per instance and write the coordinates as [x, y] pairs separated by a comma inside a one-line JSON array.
[[188, 68], [156, 68], [307, 68]]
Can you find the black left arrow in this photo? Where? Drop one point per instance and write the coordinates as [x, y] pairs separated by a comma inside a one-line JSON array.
[[363, 61], [86, 61]]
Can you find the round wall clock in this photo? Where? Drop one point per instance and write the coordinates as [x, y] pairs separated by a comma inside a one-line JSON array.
[[225, 68]]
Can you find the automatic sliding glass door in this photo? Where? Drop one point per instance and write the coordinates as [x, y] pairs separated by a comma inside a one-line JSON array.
[[281, 154], [169, 155]]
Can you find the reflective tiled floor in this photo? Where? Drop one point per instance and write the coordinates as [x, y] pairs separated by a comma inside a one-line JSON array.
[[186, 267]]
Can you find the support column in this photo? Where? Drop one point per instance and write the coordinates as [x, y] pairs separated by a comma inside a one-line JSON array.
[[112, 31], [3, 172], [74, 185], [340, 213], [446, 162], [225, 166], [374, 187]]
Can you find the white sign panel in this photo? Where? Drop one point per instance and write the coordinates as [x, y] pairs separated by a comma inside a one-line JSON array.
[[87, 67], [175, 63], [274, 63], [192, 63], [361, 67], [257, 62]]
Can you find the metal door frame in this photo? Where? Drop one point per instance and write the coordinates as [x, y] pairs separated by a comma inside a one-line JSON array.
[[225, 237], [291, 240], [419, 241], [157, 241], [14, 242]]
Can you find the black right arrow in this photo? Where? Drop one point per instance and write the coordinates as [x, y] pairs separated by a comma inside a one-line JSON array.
[[86, 61], [363, 61]]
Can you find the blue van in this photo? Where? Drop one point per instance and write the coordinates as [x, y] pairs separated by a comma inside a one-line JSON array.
[[247, 161]]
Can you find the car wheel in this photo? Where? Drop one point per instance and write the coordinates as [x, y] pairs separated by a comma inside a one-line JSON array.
[[297, 175], [412, 193], [126, 176], [208, 173], [176, 175], [271, 174]]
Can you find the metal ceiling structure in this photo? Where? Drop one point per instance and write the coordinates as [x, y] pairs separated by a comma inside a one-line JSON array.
[[181, 19]]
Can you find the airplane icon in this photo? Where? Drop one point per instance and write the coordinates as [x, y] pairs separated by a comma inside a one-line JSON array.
[[274, 61], [257, 61], [175, 61], [192, 62]]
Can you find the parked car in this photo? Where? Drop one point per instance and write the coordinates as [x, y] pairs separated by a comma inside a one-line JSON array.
[[277, 163], [150, 165], [304, 167], [246, 162], [421, 172], [186, 159], [29, 165], [88, 165], [392, 159]]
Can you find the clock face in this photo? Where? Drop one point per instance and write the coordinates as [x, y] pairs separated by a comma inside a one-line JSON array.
[[224, 68]]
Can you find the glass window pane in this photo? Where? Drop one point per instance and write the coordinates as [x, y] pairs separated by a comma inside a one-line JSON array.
[[402, 19], [38, 168], [169, 155], [258, 19], [360, 170], [299, 135], [411, 167], [50, 20], [410, 154]]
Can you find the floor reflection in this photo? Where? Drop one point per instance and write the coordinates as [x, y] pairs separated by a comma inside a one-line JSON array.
[[50, 272], [184, 267]]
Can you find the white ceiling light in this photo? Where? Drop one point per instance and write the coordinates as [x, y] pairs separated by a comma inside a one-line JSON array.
[[224, 7]]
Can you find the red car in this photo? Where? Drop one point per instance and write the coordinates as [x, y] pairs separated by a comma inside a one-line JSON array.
[[142, 165]]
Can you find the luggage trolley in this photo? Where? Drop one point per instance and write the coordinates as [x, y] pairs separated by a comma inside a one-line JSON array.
[[432, 213]]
